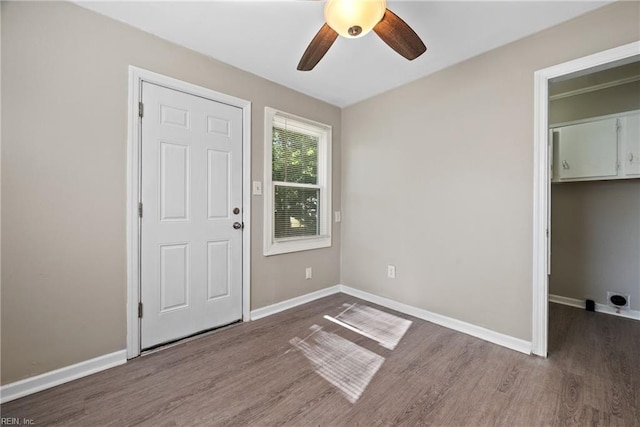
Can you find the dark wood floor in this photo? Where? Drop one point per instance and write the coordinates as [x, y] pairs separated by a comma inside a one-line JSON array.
[[250, 374]]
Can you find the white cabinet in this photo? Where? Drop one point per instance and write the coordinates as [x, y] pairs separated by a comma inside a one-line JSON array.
[[588, 150], [598, 149], [630, 135]]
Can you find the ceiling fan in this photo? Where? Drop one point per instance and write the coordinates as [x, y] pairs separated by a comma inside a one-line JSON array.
[[355, 18]]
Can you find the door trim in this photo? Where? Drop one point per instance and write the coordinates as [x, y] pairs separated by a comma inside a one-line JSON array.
[[541, 168], [136, 77]]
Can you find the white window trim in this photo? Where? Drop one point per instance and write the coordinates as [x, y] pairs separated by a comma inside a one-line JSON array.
[[281, 246]]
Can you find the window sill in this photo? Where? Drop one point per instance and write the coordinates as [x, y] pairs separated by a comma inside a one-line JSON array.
[[284, 247]]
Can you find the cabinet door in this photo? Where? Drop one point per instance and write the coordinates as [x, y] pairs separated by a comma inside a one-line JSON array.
[[588, 150], [631, 145]]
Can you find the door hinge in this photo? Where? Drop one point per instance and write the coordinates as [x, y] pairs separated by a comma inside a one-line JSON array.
[[140, 209], [140, 109], [547, 233], [140, 310]]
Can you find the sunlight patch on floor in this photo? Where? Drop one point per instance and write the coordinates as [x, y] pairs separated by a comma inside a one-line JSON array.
[[385, 328], [344, 364]]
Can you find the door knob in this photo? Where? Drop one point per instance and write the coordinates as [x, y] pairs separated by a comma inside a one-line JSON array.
[[237, 225]]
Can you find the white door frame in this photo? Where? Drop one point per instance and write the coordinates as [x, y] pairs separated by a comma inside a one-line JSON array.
[[541, 168], [136, 77]]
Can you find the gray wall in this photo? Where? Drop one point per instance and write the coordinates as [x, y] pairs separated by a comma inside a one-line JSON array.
[[596, 225], [438, 178], [64, 106], [596, 240]]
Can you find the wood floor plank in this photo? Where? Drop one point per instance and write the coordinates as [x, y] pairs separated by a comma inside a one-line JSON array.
[[252, 374]]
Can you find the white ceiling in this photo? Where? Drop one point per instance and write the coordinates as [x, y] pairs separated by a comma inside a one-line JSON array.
[[268, 38]]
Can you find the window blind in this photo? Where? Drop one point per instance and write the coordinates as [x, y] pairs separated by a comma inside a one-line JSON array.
[[295, 179]]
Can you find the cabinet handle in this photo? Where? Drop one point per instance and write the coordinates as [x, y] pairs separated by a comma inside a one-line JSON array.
[[630, 157], [565, 165]]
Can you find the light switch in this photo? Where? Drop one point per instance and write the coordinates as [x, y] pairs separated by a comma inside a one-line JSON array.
[[338, 216], [257, 188]]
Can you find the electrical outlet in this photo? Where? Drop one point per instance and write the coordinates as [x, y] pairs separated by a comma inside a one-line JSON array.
[[391, 271], [308, 273]]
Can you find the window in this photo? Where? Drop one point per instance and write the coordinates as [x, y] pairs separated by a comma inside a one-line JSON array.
[[297, 190]]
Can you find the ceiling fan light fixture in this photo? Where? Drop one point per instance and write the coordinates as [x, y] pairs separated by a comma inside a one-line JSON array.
[[354, 18]]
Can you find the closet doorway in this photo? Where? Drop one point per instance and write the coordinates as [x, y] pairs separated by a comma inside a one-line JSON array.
[[561, 83]]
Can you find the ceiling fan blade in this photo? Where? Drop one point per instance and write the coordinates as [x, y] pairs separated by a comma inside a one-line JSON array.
[[399, 36], [317, 48]]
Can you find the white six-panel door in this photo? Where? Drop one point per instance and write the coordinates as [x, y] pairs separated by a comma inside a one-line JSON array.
[[191, 254]]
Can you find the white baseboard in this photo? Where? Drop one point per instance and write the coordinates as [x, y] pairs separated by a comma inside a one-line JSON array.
[[293, 302], [47, 380], [572, 302], [457, 325], [600, 308]]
